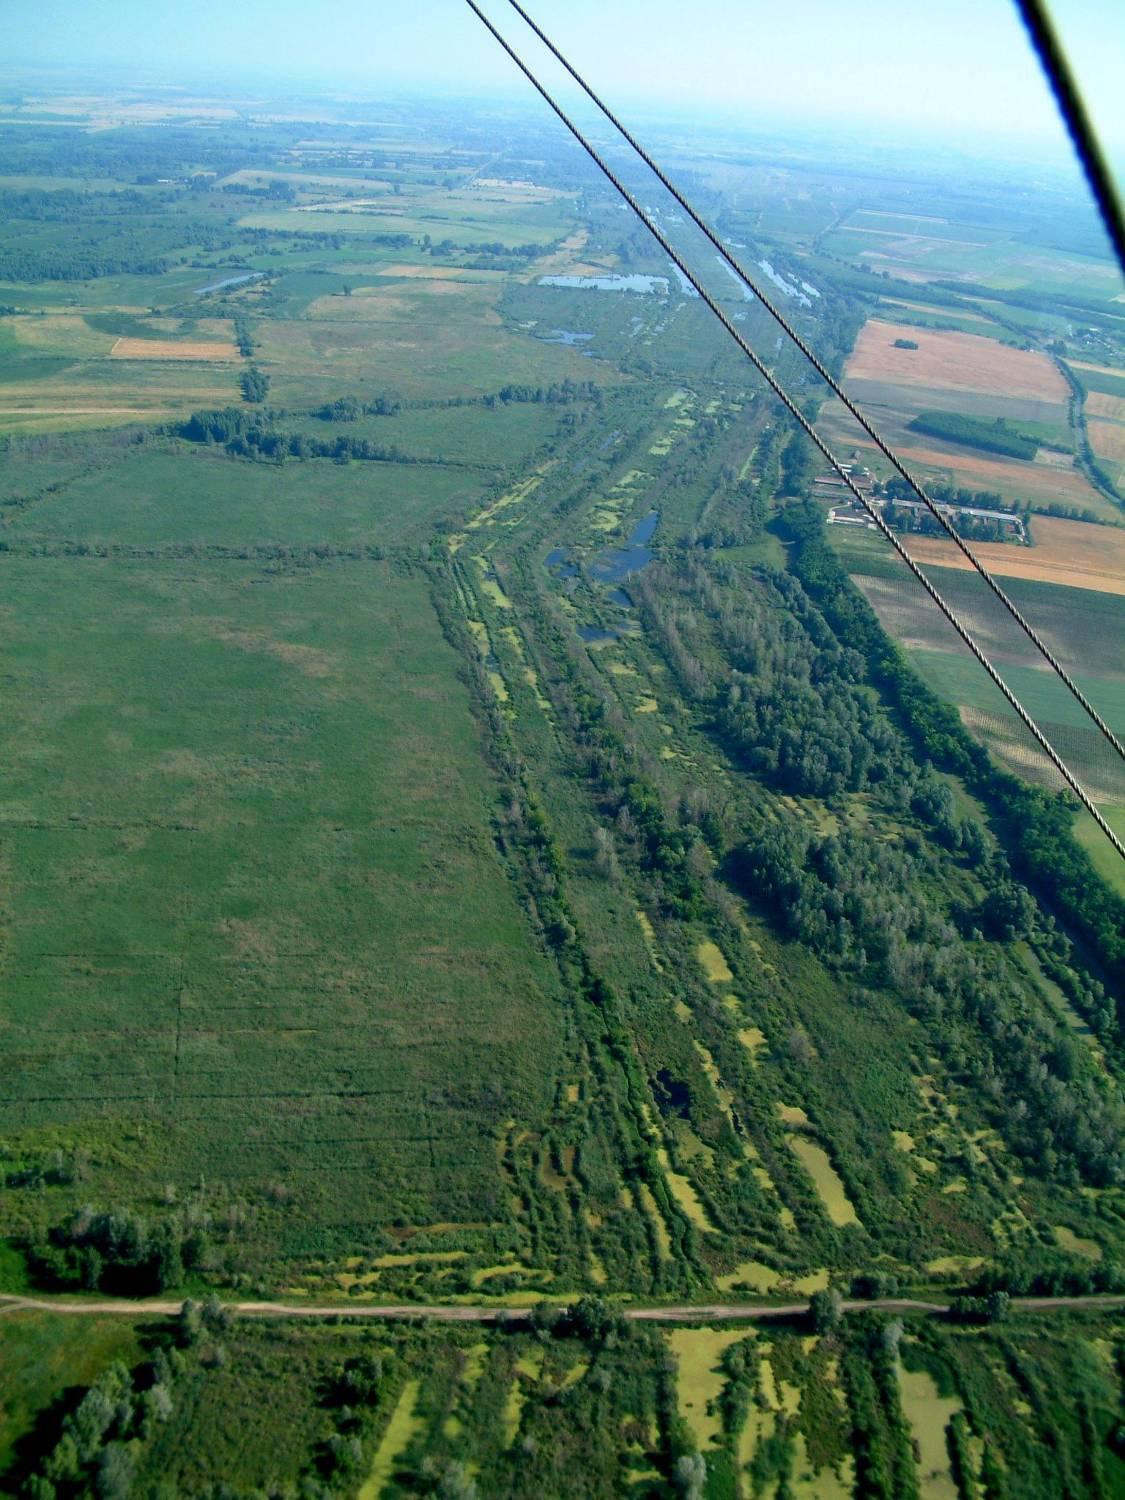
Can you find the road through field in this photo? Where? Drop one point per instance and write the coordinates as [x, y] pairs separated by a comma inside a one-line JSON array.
[[739, 1312]]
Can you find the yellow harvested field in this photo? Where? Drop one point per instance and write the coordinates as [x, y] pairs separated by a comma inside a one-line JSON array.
[[833, 1194], [699, 1377], [1100, 405], [1082, 364], [929, 1415], [1107, 439], [1070, 552], [439, 273], [171, 349], [713, 964], [957, 361]]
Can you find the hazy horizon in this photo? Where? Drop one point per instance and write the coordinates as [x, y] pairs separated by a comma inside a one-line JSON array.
[[962, 70]]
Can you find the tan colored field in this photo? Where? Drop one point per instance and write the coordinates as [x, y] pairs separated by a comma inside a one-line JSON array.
[[439, 273], [1107, 439], [171, 349], [1070, 552], [957, 361], [1111, 407], [511, 190], [1081, 364]]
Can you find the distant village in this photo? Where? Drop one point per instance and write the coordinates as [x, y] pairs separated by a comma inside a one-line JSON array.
[[979, 522]]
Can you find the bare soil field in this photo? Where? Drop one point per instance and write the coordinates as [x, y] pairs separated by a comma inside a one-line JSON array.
[[173, 349], [1070, 552], [1108, 439], [1110, 407], [957, 361]]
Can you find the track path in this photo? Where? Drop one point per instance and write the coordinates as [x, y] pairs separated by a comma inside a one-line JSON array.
[[738, 1312]]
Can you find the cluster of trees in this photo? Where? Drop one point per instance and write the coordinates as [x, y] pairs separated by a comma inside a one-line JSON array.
[[244, 335], [275, 191], [798, 710], [255, 385], [881, 1437], [562, 393], [1038, 1272], [1073, 513], [864, 908], [254, 435], [351, 408], [117, 1252], [1034, 824], [96, 1452], [999, 436]]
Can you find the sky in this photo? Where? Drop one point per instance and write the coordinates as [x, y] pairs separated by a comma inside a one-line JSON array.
[[913, 65]]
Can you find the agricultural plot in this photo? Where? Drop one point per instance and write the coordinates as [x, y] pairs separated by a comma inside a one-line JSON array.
[[931, 248], [970, 376], [957, 362]]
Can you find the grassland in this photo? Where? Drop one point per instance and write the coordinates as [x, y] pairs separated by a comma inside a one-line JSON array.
[[136, 894]]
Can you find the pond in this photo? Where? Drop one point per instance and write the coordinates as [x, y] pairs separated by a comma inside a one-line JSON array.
[[737, 279], [566, 336], [785, 286], [616, 563], [633, 283], [594, 635], [561, 564]]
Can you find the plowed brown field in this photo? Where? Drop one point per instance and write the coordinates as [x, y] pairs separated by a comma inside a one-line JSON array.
[[1070, 552], [957, 361], [1100, 405], [171, 349]]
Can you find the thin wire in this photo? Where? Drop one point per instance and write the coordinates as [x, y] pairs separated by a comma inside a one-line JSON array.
[[1052, 58], [795, 411], [783, 323]]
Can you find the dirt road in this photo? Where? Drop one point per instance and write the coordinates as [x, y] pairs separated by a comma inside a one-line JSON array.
[[737, 1312]]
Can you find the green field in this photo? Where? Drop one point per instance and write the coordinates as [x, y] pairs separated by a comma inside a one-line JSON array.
[[226, 795]]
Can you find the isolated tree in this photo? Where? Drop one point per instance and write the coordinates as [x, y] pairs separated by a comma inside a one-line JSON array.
[[826, 1309], [691, 1475]]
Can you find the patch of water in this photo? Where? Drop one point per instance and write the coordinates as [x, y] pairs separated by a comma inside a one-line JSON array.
[[594, 635], [747, 294], [685, 285], [784, 286], [568, 337], [632, 283], [620, 598], [617, 563], [561, 564], [217, 286]]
